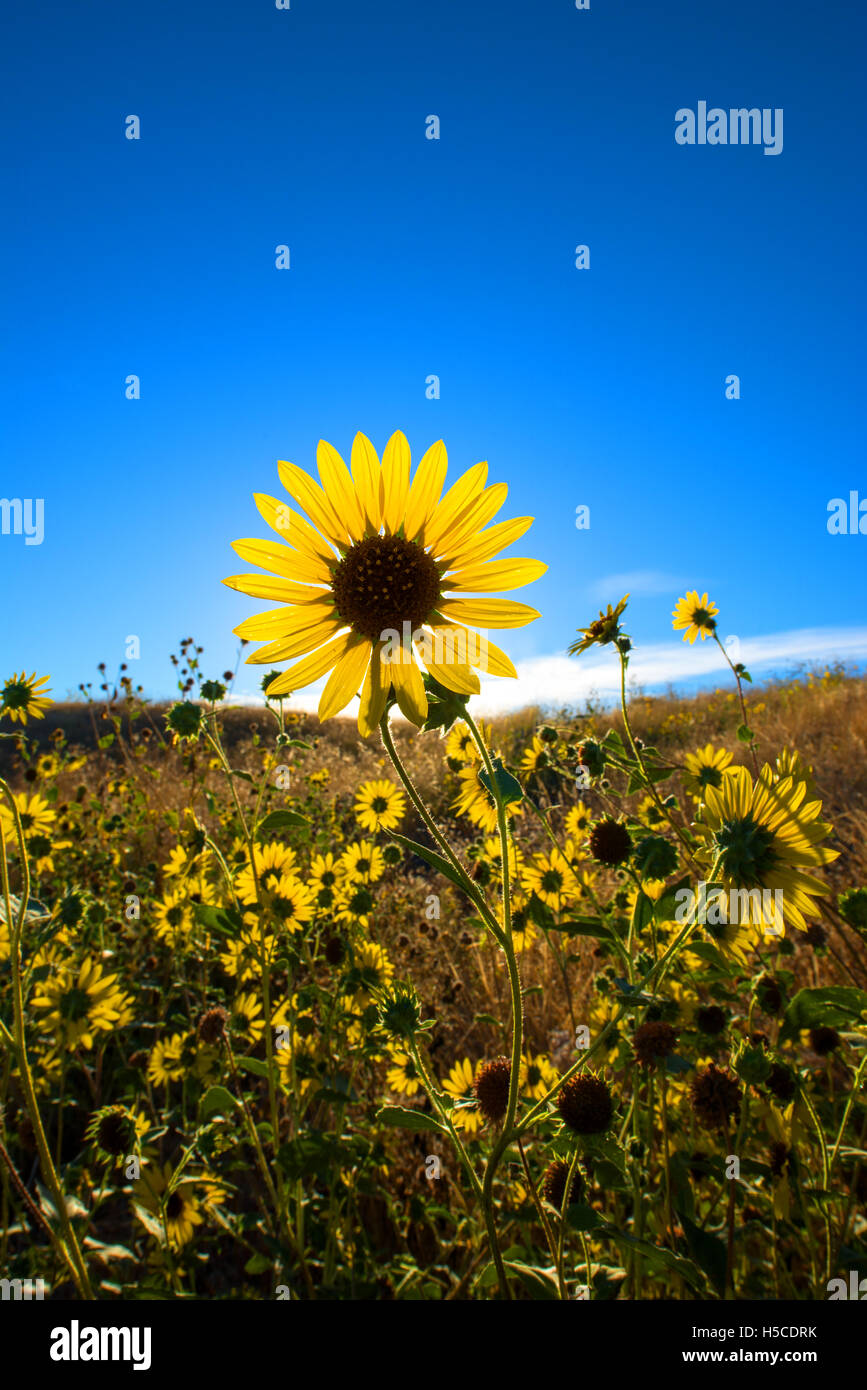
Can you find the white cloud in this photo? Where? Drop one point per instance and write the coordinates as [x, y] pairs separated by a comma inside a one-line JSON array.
[[636, 583], [561, 680]]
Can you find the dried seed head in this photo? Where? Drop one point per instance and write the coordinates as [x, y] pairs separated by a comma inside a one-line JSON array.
[[554, 1183], [212, 1025], [491, 1088], [610, 841], [653, 1042], [711, 1019], [715, 1096], [585, 1104]]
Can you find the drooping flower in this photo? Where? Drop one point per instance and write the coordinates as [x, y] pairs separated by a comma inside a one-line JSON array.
[[379, 581]]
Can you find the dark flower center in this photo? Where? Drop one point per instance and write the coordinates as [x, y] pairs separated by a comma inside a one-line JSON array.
[[702, 618], [74, 1005], [747, 850], [382, 582]]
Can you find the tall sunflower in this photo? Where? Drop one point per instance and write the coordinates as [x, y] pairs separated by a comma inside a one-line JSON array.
[[376, 581], [696, 615], [766, 834]]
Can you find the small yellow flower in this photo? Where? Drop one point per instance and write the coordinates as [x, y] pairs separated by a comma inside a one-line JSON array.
[[379, 806], [704, 768], [696, 615], [22, 699]]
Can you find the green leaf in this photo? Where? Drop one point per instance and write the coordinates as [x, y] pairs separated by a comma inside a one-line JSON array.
[[834, 1006], [745, 734], [218, 1099], [444, 706], [106, 741], [151, 1223], [708, 1251], [581, 1217], [658, 1259], [221, 919], [280, 820], [252, 1065], [399, 1117], [503, 787], [245, 776], [431, 857]]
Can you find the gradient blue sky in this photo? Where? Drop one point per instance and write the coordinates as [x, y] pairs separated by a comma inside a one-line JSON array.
[[412, 257]]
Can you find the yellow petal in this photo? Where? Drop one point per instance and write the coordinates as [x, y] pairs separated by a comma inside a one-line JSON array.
[[305, 640], [294, 530], [312, 667], [311, 499], [339, 488], [282, 622], [475, 649], [408, 686], [427, 486], [460, 496], [454, 676], [472, 521], [345, 679], [395, 480], [496, 574], [374, 694], [269, 586], [485, 545], [367, 476], [488, 612], [282, 559]]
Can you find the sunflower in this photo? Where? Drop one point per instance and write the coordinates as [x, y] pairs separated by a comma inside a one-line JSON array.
[[380, 579], [538, 1075], [379, 806], [22, 699], [706, 767], [371, 970], [402, 1073], [579, 819], [173, 917], [537, 756], [552, 878], [696, 615], [476, 803], [765, 835], [460, 747], [362, 862], [289, 900], [35, 813], [604, 630], [166, 1062], [181, 1209], [459, 1085], [78, 1003], [271, 862]]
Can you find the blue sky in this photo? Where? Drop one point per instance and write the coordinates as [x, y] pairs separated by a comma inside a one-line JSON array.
[[412, 257]]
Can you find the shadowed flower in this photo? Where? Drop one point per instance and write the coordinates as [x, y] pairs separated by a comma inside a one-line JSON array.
[[765, 835], [379, 581]]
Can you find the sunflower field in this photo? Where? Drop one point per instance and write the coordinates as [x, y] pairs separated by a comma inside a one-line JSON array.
[[565, 1005]]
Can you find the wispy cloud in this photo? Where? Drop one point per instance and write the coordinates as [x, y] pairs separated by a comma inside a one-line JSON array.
[[561, 680], [636, 583]]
